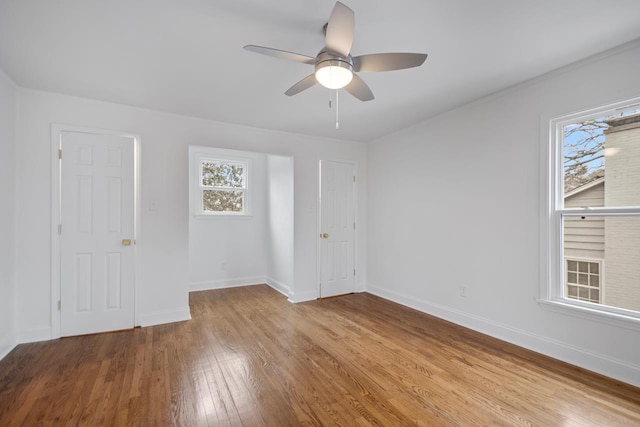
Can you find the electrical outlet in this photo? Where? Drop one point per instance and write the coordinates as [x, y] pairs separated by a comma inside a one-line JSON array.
[[463, 291], [223, 265]]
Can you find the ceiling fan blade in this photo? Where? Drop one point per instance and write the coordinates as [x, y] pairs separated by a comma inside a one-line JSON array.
[[282, 54], [303, 84], [339, 35], [388, 61], [359, 89]]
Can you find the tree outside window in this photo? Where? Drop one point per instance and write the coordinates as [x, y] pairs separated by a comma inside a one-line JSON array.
[[223, 186]]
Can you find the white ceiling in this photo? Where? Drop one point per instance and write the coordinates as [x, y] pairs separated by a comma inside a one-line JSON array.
[[186, 56]]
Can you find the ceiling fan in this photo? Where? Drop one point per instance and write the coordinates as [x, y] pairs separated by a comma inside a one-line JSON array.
[[335, 68]]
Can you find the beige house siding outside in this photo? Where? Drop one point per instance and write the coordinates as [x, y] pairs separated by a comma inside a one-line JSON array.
[[584, 238], [622, 234]]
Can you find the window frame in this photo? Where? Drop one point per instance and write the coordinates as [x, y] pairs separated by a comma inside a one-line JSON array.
[[200, 187], [552, 271]]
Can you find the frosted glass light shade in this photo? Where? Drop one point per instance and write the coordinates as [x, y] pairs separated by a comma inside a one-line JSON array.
[[334, 74]]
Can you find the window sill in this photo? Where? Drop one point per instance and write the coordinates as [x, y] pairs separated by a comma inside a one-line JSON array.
[[223, 216], [588, 313]]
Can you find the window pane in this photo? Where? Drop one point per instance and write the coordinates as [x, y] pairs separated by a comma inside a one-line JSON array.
[[583, 240], [606, 252], [222, 201], [583, 293], [222, 174], [601, 158]]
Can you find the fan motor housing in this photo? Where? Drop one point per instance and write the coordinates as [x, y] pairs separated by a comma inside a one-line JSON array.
[[326, 58]]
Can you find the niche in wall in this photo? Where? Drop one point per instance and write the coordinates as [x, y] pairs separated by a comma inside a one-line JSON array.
[[238, 250]]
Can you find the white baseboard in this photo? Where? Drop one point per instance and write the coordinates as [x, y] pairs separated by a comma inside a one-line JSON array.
[[34, 335], [303, 296], [166, 316], [620, 370], [226, 283], [7, 344], [238, 282], [279, 286]]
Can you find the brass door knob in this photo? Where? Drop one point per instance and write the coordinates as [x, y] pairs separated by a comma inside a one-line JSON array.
[[126, 242], [325, 235]]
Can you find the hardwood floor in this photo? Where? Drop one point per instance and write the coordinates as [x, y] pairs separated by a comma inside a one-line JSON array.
[[250, 358]]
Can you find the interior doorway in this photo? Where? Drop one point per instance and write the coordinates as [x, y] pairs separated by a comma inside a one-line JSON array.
[[337, 228], [253, 245], [95, 235]]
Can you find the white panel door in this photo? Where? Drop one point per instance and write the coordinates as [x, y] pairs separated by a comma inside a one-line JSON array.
[[97, 233], [337, 228]]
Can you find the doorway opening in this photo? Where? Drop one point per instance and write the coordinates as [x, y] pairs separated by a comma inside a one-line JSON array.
[[95, 224], [241, 220]]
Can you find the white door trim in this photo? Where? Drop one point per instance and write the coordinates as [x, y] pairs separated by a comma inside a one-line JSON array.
[[319, 223], [56, 173]]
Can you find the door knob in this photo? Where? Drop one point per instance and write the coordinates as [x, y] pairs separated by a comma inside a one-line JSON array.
[[325, 235], [126, 242]]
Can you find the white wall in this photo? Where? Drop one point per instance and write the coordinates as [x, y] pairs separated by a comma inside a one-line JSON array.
[[163, 244], [280, 206], [455, 201], [8, 92], [230, 250]]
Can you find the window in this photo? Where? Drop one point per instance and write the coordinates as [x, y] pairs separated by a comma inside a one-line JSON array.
[[594, 211], [222, 187], [583, 279]]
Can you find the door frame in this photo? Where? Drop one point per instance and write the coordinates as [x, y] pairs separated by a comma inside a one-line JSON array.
[[353, 163], [56, 215]]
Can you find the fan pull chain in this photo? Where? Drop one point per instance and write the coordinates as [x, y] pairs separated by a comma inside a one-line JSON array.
[[337, 110], [337, 106]]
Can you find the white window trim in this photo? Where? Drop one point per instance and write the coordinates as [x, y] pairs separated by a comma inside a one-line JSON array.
[[197, 188], [551, 251]]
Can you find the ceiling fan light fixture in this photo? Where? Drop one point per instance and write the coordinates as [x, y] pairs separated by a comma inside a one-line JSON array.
[[334, 64], [334, 74]]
